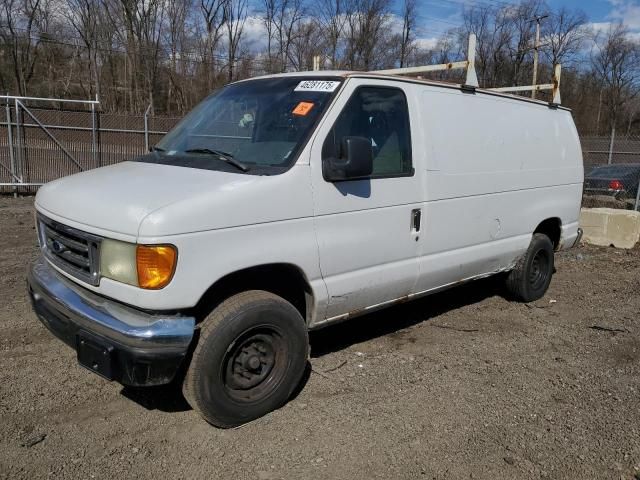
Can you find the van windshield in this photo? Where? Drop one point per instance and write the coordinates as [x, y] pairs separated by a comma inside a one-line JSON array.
[[256, 126]]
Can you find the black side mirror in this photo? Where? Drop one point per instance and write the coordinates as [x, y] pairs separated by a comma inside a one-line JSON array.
[[355, 161]]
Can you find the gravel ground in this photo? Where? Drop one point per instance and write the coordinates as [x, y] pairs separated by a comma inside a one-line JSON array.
[[463, 384]]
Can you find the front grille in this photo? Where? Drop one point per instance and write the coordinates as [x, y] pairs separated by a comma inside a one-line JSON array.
[[74, 251]]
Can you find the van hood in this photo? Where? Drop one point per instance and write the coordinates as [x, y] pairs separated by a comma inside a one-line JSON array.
[[136, 199]]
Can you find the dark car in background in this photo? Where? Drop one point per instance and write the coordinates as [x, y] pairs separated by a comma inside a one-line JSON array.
[[619, 181]]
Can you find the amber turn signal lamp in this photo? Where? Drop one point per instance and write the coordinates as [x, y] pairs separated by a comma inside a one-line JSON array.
[[155, 264]]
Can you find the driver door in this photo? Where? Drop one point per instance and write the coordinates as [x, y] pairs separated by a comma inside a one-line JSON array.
[[368, 229]]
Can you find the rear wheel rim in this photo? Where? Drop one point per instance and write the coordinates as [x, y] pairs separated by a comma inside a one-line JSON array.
[[539, 271], [255, 364]]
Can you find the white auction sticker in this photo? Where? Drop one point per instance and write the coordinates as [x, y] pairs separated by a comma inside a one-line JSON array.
[[316, 86]]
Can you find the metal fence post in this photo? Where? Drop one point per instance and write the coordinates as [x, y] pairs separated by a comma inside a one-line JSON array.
[[12, 157], [635, 207], [146, 128], [19, 153], [98, 135], [94, 145], [613, 137]]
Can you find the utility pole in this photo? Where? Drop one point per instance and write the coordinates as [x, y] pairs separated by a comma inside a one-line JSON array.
[[535, 52]]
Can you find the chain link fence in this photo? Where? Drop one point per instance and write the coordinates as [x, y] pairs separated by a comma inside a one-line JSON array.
[[125, 136], [45, 139], [612, 171]]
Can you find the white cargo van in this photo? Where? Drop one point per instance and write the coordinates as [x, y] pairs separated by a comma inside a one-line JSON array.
[[285, 203]]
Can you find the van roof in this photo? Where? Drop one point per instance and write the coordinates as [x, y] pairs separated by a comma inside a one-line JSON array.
[[400, 78]]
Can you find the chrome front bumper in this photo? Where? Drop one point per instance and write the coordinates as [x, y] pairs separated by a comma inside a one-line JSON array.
[[141, 348]]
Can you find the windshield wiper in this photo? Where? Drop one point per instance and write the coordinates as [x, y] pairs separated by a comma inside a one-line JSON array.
[[156, 149], [224, 156]]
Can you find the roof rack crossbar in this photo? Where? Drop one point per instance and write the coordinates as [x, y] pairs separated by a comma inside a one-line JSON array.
[[469, 65], [554, 86], [472, 78]]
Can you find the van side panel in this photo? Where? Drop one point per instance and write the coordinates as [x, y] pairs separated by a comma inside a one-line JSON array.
[[496, 168], [479, 144]]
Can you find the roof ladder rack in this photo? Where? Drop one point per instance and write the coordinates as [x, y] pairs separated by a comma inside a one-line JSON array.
[[468, 65], [471, 82], [554, 86]]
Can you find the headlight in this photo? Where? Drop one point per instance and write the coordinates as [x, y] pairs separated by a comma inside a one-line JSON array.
[[145, 266]]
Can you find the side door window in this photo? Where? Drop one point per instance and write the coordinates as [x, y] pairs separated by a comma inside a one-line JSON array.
[[381, 115]]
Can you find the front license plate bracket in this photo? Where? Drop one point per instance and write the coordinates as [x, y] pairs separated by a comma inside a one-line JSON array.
[[95, 354]]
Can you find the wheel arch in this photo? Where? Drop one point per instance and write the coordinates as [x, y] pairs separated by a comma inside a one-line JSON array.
[[283, 279], [552, 228]]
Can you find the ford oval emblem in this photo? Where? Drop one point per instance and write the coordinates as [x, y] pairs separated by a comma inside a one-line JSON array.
[[57, 247]]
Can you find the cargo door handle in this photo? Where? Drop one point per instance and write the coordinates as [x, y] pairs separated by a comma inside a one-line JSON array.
[[416, 216]]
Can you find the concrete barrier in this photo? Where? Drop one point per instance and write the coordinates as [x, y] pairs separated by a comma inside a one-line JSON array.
[[609, 226]]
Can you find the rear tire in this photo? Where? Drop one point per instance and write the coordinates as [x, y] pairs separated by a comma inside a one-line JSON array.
[[250, 357], [530, 278]]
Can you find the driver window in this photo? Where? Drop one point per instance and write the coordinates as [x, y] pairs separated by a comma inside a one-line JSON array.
[[379, 114]]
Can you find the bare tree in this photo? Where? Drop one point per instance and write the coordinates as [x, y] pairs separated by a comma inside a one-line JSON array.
[[269, 21], [290, 15], [175, 39], [84, 16], [522, 17], [633, 112], [281, 18], [138, 24], [235, 15], [214, 15], [331, 18], [21, 20], [616, 62], [444, 51], [492, 27], [366, 22], [478, 21], [171, 53], [564, 34], [408, 26], [306, 42]]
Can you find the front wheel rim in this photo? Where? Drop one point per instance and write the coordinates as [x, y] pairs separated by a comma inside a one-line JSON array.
[[255, 364]]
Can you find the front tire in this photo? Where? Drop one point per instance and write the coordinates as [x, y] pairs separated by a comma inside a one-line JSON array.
[[251, 355], [530, 278]]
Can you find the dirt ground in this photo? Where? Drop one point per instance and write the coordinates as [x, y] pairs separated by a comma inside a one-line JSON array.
[[463, 384]]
